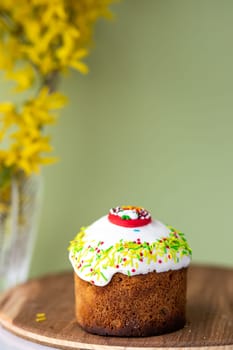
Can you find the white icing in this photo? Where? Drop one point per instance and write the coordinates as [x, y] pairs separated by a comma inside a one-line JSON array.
[[104, 230], [110, 234]]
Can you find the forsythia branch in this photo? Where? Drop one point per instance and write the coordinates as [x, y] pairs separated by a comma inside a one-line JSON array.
[[39, 41]]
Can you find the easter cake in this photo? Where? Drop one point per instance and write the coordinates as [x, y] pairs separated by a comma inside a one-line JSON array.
[[130, 275]]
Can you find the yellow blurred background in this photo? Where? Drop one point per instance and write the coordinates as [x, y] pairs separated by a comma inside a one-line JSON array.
[[151, 125]]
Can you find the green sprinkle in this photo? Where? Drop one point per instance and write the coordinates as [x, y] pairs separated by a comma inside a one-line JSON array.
[[104, 277], [125, 217], [120, 249], [88, 265], [107, 250], [136, 248]]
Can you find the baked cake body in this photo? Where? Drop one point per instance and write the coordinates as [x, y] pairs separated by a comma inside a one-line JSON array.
[[142, 305], [130, 275]]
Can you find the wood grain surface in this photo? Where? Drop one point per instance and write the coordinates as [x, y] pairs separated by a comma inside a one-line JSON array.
[[209, 315]]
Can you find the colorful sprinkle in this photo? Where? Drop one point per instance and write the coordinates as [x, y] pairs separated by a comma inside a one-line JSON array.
[[40, 317]]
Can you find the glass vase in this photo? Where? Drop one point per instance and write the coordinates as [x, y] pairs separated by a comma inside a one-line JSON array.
[[19, 212]]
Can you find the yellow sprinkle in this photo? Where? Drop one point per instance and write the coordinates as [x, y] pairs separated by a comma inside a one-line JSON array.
[[40, 319], [40, 316]]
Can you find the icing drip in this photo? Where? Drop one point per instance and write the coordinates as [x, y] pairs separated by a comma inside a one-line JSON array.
[[104, 248]]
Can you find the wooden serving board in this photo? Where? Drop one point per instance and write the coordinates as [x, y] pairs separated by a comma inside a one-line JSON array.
[[209, 315]]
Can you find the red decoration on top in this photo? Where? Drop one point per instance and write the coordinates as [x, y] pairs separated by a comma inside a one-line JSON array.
[[129, 216]]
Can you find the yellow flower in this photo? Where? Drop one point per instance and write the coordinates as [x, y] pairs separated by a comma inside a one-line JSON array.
[[24, 78], [28, 145], [8, 115], [32, 29], [7, 107], [9, 53], [76, 63], [27, 153], [54, 100]]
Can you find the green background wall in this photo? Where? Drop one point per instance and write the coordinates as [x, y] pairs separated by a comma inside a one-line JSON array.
[[151, 125]]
